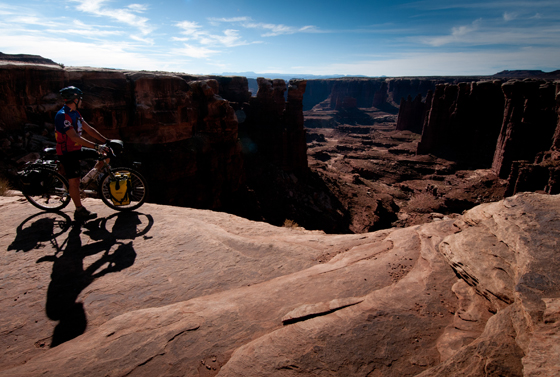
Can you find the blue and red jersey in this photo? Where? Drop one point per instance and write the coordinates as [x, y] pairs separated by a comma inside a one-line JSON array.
[[65, 119]]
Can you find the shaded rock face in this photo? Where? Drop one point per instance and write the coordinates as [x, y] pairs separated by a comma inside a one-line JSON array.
[[199, 138], [412, 114], [182, 131], [529, 123], [280, 185], [169, 291], [399, 88], [463, 121], [274, 125], [382, 93], [510, 127], [556, 138]]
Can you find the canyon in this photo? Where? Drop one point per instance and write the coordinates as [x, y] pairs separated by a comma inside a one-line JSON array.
[[341, 155], [403, 151], [345, 227]]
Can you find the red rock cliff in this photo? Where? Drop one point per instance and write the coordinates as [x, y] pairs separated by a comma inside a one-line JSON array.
[[184, 129], [511, 127], [528, 125], [462, 122]]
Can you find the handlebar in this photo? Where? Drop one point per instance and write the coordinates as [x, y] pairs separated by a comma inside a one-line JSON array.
[[115, 147]]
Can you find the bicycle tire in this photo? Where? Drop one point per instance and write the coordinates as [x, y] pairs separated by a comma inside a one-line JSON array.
[[55, 196], [138, 190]]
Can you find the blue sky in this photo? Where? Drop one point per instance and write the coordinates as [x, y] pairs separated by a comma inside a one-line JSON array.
[[372, 38]]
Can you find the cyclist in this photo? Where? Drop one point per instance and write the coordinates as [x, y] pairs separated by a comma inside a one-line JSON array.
[[71, 147]]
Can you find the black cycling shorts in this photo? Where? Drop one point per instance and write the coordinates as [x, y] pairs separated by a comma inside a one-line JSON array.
[[71, 161]]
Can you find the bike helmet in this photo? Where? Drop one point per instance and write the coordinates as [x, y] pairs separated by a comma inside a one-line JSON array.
[[70, 92]]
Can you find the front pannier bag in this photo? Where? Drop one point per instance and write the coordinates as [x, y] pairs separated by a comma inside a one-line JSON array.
[[120, 189]]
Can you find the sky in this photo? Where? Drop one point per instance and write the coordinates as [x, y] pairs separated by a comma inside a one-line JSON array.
[[326, 37]]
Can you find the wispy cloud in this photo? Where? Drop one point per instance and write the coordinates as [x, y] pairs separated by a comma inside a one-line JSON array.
[[273, 30], [195, 32], [444, 63], [217, 21], [270, 30], [101, 54], [499, 4], [458, 34], [491, 32], [190, 29], [126, 15], [77, 27], [194, 51], [510, 16]]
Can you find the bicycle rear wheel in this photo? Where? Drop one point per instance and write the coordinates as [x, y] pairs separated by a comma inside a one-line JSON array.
[[54, 194], [138, 191]]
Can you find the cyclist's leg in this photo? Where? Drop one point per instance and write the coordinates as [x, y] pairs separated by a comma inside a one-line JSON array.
[[74, 191], [71, 163]]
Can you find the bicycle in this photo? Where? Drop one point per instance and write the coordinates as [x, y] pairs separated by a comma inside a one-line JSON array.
[[45, 188]]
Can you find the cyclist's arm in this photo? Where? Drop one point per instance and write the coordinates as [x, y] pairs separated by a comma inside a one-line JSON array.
[[93, 132], [73, 135]]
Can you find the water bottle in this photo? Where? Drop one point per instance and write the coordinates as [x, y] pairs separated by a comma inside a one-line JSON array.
[[89, 177]]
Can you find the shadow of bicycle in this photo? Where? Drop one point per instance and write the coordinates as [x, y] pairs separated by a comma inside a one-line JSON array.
[[112, 245]]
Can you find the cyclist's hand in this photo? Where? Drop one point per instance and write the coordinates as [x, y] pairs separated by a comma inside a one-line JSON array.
[[103, 149]]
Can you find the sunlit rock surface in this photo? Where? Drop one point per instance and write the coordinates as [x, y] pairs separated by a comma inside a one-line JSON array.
[[176, 291]]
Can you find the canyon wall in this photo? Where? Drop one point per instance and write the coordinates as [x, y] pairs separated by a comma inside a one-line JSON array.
[[462, 122], [382, 93], [192, 134], [509, 126]]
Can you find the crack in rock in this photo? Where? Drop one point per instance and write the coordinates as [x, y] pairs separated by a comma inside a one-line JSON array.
[[306, 312]]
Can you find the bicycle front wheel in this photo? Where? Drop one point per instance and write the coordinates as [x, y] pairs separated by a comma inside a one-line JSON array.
[[138, 190], [54, 194]]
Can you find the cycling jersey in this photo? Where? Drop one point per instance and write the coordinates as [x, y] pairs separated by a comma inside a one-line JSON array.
[[65, 119]]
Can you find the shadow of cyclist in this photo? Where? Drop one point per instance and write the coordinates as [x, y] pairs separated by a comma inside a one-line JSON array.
[[69, 275]]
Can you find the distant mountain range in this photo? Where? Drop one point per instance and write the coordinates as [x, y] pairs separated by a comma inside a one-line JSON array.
[[528, 74], [503, 74]]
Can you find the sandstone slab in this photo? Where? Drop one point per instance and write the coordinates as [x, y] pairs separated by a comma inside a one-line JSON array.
[[171, 291]]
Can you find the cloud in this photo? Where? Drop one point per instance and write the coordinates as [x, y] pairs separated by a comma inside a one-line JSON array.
[[498, 4], [194, 51], [444, 63], [125, 15], [509, 16], [77, 27], [193, 31], [271, 30], [217, 21], [528, 32], [189, 28], [106, 54], [458, 34]]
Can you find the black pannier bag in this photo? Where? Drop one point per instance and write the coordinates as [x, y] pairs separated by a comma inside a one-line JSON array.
[[34, 181]]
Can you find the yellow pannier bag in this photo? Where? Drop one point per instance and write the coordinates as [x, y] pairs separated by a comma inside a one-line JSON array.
[[120, 189]]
